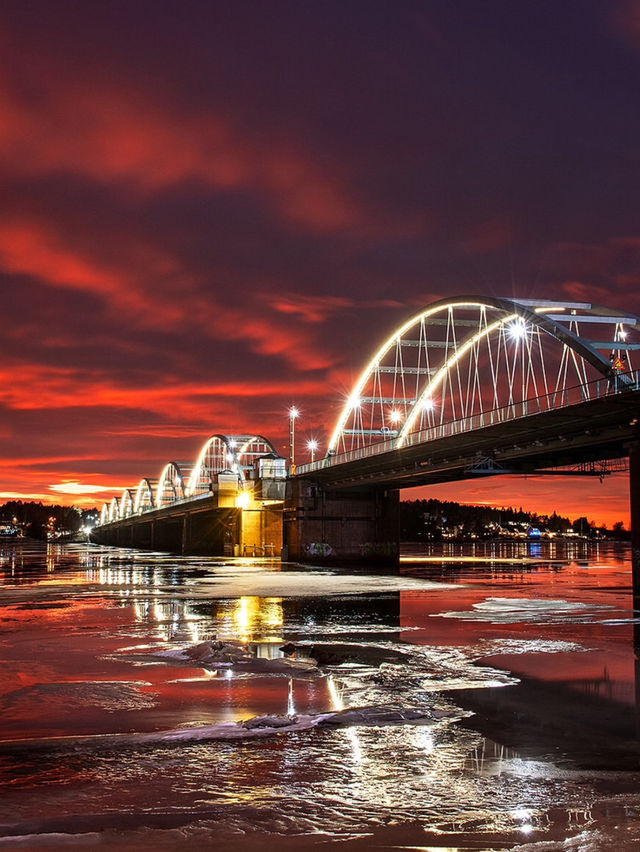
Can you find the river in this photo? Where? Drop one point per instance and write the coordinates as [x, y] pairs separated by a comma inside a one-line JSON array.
[[483, 698]]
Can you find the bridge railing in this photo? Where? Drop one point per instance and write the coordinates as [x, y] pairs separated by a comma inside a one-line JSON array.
[[562, 398]]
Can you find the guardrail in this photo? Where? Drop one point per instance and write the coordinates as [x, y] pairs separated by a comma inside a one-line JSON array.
[[597, 389]]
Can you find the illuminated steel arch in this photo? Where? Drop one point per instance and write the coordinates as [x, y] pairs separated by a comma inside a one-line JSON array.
[[250, 449], [104, 514], [469, 356], [144, 499], [237, 453], [171, 486], [114, 510], [127, 502], [216, 455]]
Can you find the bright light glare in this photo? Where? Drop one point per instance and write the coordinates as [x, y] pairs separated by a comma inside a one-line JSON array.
[[395, 416], [354, 402], [243, 500], [428, 404], [622, 334], [293, 412], [312, 446], [517, 329]]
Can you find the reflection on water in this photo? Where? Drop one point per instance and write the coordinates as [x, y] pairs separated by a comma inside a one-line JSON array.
[[566, 550], [251, 617], [516, 662]]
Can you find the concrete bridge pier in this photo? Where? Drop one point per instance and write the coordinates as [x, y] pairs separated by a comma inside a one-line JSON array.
[[143, 535], [338, 526], [210, 532], [168, 535], [186, 534]]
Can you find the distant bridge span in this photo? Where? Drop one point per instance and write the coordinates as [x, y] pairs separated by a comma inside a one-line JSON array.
[[469, 386]]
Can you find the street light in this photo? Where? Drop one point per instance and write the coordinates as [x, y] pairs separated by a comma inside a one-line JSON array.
[[312, 446], [293, 413], [517, 330]]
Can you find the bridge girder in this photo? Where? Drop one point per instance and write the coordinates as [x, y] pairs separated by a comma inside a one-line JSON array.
[[594, 430]]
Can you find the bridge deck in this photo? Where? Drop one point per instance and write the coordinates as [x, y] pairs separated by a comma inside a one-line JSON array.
[[588, 431]]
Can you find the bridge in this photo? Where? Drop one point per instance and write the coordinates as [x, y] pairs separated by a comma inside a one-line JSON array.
[[470, 386], [228, 501]]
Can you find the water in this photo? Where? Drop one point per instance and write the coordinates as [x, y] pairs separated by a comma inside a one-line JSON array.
[[496, 684]]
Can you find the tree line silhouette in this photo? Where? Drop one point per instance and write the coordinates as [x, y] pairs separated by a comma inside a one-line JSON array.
[[37, 520], [434, 519]]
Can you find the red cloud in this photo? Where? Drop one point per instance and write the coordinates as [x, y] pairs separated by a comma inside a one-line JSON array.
[[38, 249], [625, 21], [604, 272], [316, 309], [92, 128], [130, 289], [310, 308], [70, 388]]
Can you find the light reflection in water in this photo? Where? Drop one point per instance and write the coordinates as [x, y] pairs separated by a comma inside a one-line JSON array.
[[52, 554], [449, 777], [243, 619], [13, 557], [250, 617]]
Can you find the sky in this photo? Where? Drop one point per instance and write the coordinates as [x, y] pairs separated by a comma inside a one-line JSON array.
[[212, 211]]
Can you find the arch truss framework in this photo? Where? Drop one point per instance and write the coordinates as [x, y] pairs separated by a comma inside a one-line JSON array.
[[234, 455], [476, 357]]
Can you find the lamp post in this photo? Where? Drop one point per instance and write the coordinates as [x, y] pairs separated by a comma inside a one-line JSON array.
[[293, 414], [312, 446]]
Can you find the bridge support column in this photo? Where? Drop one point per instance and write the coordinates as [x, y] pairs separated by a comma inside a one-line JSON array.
[[186, 533], [141, 535], [168, 535], [213, 532], [341, 526]]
